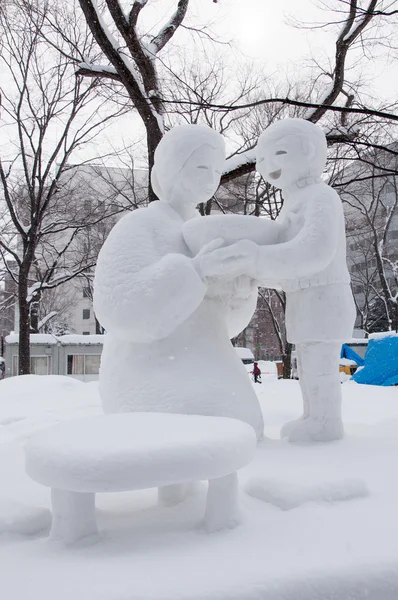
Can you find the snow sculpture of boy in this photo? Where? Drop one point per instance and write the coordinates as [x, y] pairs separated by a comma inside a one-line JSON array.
[[309, 262], [167, 347]]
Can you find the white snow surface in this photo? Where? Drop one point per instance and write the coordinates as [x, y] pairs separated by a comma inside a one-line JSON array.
[[137, 451], [318, 551], [18, 518]]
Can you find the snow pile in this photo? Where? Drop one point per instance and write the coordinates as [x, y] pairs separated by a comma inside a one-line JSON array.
[[18, 518], [287, 496], [33, 402]]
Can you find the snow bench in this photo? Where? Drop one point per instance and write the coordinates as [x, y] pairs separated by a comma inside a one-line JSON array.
[[134, 451]]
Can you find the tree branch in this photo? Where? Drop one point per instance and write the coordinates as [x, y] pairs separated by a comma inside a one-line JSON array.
[[167, 32], [348, 35]]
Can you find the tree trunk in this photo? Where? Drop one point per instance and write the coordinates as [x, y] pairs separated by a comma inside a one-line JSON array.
[[287, 361], [24, 326], [34, 313], [154, 135]]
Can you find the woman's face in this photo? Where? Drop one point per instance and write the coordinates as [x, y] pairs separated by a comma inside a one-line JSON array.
[[200, 176]]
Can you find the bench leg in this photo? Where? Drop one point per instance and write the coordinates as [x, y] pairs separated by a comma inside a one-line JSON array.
[[73, 516], [222, 511], [169, 495]]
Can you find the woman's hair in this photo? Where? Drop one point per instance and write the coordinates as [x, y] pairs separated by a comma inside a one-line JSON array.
[[175, 148]]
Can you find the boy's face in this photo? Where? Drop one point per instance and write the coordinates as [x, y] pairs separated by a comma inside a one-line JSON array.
[[282, 161]]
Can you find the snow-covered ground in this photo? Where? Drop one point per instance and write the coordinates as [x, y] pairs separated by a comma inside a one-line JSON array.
[[326, 528]]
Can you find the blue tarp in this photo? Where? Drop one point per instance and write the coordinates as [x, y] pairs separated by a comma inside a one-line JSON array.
[[347, 352], [381, 363]]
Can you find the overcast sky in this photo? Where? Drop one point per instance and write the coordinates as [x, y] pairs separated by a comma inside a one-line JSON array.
[[260, 29]]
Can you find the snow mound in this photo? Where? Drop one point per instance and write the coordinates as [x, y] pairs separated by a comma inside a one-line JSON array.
[[36, 383], [19, 518], [287, 496]]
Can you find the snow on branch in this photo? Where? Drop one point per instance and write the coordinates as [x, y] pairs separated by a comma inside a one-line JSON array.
[[132, 71], [46, 319], [108, 43], [57, 280], [167, 32], [90, 70]]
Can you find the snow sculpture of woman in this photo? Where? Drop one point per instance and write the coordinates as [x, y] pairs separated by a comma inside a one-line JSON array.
[[309, 262], [167, 347]]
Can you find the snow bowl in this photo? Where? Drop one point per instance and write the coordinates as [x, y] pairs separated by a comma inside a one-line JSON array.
[[231, 228]]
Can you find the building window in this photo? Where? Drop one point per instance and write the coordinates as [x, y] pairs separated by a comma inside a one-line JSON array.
[[92, 364], [86, 333], [86, 313], [40, 365], [86, 292], [75, 364], [83, 364]]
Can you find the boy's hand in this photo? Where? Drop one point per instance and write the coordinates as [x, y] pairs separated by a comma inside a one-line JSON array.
[[232, 261], [198, 260]]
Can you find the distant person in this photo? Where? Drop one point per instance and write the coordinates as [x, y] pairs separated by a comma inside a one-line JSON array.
[[256, 373]]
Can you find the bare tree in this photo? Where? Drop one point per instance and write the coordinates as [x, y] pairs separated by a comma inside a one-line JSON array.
[[51, 114], [330, 92], [135, 62], [132, 56], [369, 189], [55, 311]]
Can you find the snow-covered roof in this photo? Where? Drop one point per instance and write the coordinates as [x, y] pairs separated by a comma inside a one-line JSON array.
[[35, 338], [244, 352], [47, 339], [347, 362], [81, 339], [382, 334]]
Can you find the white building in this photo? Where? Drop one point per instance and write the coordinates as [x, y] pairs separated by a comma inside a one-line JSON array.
[[76, 356]]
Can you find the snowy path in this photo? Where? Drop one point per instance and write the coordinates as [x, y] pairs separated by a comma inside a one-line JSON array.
[[312, 550]]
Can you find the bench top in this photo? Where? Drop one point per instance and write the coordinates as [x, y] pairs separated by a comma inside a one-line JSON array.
[[129, 451]]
